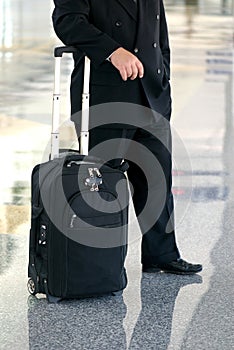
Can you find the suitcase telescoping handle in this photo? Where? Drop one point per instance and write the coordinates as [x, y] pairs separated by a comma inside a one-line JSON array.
[[84, 134]]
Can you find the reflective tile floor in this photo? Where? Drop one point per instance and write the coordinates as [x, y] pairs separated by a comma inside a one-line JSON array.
[[159, 311]]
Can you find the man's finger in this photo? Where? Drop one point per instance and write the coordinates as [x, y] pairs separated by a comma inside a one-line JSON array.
[[129, 71], [134, 72], [140, 69], [123, 74]]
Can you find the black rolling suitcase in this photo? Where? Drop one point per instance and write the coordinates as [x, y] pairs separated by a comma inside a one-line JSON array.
[[78, 235]]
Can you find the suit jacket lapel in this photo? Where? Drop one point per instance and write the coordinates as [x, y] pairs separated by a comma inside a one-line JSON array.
[[130, 7]]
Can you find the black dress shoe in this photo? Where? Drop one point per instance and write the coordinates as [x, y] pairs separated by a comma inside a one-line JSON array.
[[179, 267]]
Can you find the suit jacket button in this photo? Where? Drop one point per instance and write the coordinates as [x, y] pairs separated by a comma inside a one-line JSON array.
[[136, 50], [154, 44], [157, 17], [118, 24], [159, 71]]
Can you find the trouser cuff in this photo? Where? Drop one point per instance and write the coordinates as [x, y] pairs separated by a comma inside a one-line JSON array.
[[162, 259]]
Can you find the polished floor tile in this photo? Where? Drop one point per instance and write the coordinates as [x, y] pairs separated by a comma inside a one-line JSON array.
[[159, 311]]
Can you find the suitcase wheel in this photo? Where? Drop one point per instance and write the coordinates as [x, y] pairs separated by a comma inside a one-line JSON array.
[[32, 301], [32, 287], [118, 293]]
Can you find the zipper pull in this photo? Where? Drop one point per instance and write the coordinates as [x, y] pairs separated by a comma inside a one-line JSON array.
[[94, 179], [72, 220], [90, 170], [97, 172]]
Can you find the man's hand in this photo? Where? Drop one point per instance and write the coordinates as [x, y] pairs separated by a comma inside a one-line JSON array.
[[127, 64]]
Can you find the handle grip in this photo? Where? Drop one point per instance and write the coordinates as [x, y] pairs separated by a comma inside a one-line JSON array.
[[60, 50]]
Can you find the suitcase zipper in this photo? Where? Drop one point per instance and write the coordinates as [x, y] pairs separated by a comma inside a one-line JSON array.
[[74, 217], [78, 162]]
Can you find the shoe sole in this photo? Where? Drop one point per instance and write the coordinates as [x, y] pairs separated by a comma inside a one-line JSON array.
[[152, 271], [172, 272]]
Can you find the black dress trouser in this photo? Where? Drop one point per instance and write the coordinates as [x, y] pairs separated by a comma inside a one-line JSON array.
[[148, 152]]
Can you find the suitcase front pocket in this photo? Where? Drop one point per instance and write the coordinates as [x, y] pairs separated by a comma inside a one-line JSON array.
[[96, 244], [95, 219], [95, 209]]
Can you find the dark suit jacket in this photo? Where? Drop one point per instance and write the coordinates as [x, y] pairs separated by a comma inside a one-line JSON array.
[[97, 28]]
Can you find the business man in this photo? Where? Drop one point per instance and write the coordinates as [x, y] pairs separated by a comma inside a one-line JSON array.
[[127, 42]]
